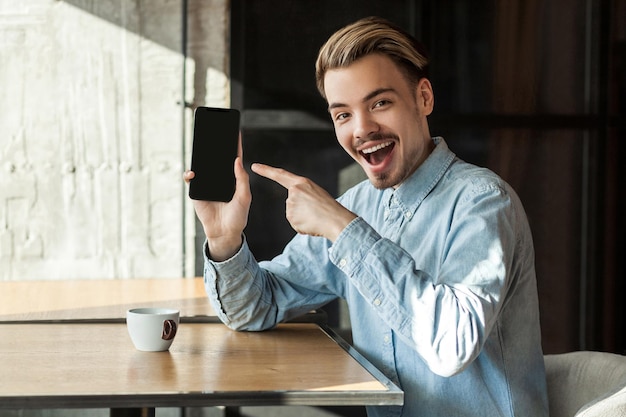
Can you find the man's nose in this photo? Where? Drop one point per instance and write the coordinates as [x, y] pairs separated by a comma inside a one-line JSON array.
[[365, 126]]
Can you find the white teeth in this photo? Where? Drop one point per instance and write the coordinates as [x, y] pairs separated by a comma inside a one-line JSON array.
[[377, 147]]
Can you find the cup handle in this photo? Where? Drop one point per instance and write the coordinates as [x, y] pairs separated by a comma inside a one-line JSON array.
[[169, 330]]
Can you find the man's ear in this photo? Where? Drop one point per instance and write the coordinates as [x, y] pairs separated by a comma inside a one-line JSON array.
[[425, 97]]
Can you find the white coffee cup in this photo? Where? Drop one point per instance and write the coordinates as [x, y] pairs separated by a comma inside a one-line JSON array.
[[152, 329]]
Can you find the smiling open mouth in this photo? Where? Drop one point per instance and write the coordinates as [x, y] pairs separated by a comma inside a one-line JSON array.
[[377, 154]]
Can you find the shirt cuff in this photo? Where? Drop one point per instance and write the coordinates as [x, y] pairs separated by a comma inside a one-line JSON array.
[[345, 253], [232, 266]]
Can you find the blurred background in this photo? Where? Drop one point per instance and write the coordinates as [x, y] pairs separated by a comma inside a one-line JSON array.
[[97, 105]]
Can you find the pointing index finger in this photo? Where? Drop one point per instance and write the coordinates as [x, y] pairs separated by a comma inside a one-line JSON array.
[[279, 175]]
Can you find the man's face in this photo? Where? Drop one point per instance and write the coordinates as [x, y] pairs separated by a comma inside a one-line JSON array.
[[379, 119]]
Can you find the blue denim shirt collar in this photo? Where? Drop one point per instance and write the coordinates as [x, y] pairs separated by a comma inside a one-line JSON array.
[[410, 194]]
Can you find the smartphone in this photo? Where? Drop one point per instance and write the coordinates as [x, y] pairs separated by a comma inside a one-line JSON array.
[[215, 145]]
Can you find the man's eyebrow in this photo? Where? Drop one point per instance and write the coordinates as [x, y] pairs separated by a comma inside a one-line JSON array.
[[368, 97], [377, 92], [336, 105]]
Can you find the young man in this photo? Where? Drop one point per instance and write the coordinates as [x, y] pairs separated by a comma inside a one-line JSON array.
[[433, 255]]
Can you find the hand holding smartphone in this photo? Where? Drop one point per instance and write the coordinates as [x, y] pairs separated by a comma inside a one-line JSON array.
[[215, 145]]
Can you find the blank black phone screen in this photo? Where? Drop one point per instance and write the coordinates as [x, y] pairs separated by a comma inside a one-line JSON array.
[[215, 144]]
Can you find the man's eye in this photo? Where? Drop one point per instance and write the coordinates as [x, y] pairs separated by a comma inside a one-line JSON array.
[[381, 103], [341, 116]]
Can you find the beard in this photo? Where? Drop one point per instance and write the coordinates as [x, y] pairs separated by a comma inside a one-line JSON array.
[[391, 179], [380, 181]]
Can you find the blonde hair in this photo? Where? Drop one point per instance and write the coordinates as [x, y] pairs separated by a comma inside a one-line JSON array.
[[367, 36]]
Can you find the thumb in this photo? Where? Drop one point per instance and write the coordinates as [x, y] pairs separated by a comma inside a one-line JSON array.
[[242, 180]]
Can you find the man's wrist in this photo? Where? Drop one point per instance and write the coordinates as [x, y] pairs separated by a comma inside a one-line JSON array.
[[340, 224], [223, 248]]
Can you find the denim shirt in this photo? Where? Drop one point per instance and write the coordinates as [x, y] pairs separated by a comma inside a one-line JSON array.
[[440, 282]]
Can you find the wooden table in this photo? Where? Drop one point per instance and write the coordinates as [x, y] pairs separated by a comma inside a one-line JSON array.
[[100, 300], [95, 366], [64, 344]]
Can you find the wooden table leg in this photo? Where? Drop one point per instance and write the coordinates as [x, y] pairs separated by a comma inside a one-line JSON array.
[[132, 412], [231, 412]]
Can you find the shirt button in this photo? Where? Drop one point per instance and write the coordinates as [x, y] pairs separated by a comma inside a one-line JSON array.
[[386, 339], [407, 214], [342, 263], [377, 302]]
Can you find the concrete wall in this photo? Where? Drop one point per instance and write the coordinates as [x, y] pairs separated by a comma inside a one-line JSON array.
[[94, 137]]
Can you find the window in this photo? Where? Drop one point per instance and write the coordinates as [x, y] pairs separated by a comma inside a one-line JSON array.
[[533, 90]]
